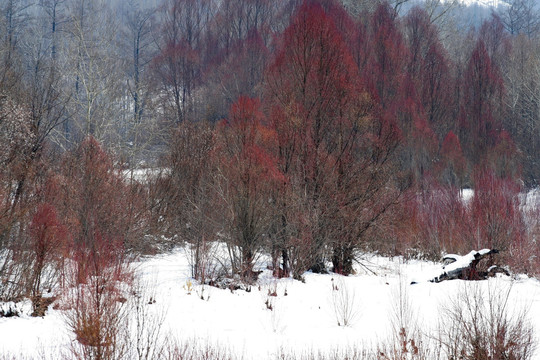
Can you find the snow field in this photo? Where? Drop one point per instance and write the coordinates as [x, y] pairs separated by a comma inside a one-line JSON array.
[[303, 320]]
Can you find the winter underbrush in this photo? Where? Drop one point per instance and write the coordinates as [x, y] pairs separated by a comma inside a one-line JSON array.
[[439, 220]]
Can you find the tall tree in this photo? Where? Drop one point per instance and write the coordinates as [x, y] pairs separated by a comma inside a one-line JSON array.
[[184, 195], [179, 62], [17, 193], [55, 18], [310, 81], [13, 20], [322, 117], [385, 70], [239, 73], [429, 69], [482, 104], [522, 82], [452, 163], [521, 17], [247, 172], [92, 67], [140, 130], [16, 139]]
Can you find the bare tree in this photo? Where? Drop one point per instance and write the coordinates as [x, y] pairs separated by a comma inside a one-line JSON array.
[[522, 84], [15, 142], [521, 17], [178, 65], [139, 130], [183, 202], [54, 18], [14, 17], [439, 10], [91, 67]]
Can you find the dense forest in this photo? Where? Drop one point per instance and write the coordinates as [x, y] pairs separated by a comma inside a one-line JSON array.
[[311, 131]]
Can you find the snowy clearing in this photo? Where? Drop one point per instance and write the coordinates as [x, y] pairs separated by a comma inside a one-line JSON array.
[[303, 315]]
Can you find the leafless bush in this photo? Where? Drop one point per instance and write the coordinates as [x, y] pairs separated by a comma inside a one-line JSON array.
[[14, 270], [344, 302], [269, 293], [204, 292], [113, 316], [43, 355], [407, 342], [192, 350], [352, 353], [403, 314], [145, 338], [409, 346], [202, 260], [482, 325], [170, 349], [96, 319]]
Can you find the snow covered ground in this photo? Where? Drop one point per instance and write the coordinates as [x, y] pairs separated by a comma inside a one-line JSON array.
[[302, 317]]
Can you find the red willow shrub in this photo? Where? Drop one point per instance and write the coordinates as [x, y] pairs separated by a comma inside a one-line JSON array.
[[498, 221], [48, 246], [99, 282], [440, 220], [434, 222], [93, 197]]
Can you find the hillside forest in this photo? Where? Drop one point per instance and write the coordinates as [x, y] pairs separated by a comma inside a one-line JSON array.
[[306, 131]]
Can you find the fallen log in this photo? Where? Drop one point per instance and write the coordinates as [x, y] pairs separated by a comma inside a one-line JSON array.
[[466, 267]]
